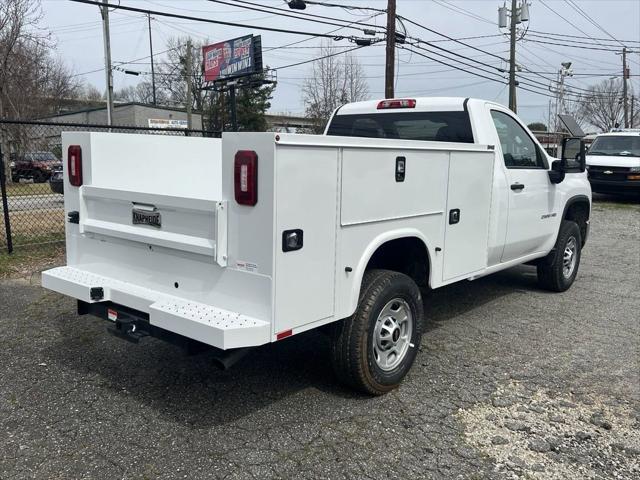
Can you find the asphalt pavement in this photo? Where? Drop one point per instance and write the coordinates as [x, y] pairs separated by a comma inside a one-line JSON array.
[[510, 382]]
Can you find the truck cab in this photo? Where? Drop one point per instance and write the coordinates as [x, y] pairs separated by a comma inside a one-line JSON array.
[[280, 233], [613, 162]]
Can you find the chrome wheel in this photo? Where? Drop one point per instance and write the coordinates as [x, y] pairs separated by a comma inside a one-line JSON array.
[[569, 257], [392, 334]]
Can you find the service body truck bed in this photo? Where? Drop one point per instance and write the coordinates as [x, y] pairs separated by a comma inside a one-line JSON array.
[[248, 239]]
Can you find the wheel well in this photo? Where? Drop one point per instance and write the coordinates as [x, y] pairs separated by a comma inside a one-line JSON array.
[[406, 255], [578, 211]]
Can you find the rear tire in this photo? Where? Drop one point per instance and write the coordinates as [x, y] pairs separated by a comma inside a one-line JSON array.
[[373, 350], [558, 270]]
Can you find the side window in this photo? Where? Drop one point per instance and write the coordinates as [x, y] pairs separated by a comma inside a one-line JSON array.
[[518, 149]]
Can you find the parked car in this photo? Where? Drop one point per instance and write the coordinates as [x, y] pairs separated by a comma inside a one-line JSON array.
[[36, 166], [613, 162], [274, 234]]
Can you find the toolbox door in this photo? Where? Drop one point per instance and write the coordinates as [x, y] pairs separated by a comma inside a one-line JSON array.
[[306, 197], [467, 214]]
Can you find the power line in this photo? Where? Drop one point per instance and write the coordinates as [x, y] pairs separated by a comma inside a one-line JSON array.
[[590, 20], [468, 38], [450, 38], [464, 12], [319, 58], [577, 36], [571, 46], [125, 63], [345, 7], [452, 66], [208, 20], [563, 18], [482, 64], [285, 13], [529, 85], [571, 41]]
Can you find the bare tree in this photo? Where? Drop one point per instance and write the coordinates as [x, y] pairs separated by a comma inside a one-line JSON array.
[[171, 74], [334, 80], [21, 41], [142, 93], [602, 105], [33, 81], [89, 92]]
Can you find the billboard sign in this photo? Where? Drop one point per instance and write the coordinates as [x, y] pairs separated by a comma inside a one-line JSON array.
[[234, 58]]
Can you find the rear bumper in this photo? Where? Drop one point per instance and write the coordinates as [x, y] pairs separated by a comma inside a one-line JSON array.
[[205, 323]]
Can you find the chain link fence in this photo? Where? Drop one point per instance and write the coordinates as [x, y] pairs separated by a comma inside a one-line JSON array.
[[31, 177]]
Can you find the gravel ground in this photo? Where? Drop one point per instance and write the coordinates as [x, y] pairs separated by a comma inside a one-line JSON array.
[[510, 382]]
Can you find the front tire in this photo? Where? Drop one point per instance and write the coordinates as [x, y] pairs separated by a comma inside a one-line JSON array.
[[558, 270], [373, 350]]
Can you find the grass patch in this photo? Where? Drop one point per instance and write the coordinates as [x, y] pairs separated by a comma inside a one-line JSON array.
[[24, 189], [35, 226], [25, 261]]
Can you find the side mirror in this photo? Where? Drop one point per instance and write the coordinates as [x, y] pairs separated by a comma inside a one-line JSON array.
[[556, 174], [573, 155]]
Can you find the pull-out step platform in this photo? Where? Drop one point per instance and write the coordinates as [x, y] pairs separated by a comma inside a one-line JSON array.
[[215, 326]]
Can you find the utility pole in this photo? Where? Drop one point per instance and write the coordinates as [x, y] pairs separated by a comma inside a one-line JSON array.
[[104, 11], [153, 73], [512, 58], [189, 77], [518, 14], [389, 75], [625, 75]]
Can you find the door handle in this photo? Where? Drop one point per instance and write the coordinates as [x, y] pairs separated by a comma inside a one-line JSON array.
[[517, 186]]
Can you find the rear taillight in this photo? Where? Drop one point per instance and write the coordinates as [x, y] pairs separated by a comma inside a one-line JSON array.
[[74, 159], [397, 103], [245, 177]]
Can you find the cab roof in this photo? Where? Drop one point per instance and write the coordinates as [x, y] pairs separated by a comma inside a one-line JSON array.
[[423, 104]]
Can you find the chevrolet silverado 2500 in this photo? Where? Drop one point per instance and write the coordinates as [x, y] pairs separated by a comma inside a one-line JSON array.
[[279, 233]]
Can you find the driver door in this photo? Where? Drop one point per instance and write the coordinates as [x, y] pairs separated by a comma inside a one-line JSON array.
[[531, 195]]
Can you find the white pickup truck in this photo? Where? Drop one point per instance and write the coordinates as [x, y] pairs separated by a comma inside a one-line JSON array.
[[249, 239]]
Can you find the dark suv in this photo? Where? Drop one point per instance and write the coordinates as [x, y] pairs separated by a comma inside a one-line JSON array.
[[37, 166]]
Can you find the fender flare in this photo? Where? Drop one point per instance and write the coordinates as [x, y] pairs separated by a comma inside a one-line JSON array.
[[572, 201], [372, 247], [576, 199]]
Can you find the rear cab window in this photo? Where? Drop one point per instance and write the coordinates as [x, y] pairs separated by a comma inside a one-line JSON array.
[[444, 126]]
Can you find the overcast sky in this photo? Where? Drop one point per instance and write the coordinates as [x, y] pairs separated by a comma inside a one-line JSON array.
[[78, 31]]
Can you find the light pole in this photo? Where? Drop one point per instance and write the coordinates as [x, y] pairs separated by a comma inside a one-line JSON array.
[[565, 71], [517, 14]]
